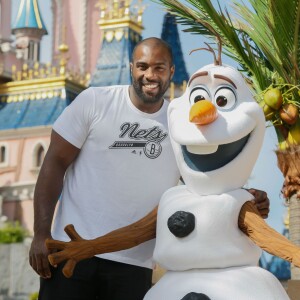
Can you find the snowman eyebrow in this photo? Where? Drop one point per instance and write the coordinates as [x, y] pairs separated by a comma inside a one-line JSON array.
[[204, 73], [225, 78]]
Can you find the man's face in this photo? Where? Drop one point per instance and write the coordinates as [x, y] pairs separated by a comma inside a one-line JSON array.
[[151, 72]]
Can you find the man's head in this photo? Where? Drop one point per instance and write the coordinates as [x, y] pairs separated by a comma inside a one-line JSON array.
[[152, 69]]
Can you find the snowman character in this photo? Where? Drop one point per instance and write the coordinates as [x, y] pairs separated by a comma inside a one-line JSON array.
[[216, 130]]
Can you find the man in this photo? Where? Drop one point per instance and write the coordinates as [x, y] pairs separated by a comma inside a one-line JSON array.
[[113, 148]]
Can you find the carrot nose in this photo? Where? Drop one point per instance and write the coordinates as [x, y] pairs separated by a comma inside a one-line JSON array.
[[203, 112]]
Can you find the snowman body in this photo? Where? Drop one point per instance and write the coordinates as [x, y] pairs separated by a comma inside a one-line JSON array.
[[216, 258], [215, 242]]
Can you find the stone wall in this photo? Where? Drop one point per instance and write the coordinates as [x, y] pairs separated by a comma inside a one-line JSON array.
[[17, 280]]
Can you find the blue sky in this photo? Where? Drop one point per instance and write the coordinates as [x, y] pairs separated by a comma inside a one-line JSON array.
[[266, 175]]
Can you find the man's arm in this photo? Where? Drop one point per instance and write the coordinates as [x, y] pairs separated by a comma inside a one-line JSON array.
[[47, 191]]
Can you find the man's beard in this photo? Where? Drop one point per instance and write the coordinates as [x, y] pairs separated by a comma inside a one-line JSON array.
[[146, 98]]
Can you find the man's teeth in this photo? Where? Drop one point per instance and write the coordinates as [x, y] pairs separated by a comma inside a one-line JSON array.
[[196, 149], [151, 86]]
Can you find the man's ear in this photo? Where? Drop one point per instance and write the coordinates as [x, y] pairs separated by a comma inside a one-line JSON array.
[[172, 71], [131, 66]]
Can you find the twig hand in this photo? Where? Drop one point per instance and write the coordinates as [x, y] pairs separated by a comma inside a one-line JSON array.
[[74, 251]]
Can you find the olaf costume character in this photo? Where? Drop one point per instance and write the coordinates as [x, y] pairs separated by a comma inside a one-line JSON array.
[[216, 130]]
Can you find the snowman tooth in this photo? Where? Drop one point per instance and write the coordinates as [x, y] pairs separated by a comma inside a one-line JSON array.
[[196, 149]]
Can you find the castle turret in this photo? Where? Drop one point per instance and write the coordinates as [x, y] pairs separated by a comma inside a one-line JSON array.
[[170, 35], [122, 26], [38, 94], [29, 29]]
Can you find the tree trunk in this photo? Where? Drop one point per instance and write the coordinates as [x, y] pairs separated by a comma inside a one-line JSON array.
[[294, 230], [289, 164]]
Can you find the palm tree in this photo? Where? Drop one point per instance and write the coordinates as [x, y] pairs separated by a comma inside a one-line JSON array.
[[263, 37]]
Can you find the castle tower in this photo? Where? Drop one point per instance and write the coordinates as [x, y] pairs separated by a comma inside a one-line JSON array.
[[121, 25], [78, 18], [29, 29], [171, 36], [7, 53]]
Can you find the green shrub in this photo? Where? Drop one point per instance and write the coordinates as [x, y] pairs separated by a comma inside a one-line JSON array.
[[12, 233], [34, 296]]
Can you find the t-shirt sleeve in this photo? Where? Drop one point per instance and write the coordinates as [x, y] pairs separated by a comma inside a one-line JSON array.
[[75, 121]]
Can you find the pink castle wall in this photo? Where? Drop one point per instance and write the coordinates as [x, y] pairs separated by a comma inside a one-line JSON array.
[[94, 37], [82, 32], [5, 19], [7, 59], [19, 173]]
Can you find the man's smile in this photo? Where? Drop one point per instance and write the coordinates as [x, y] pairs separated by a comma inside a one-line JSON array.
[[151, 87]]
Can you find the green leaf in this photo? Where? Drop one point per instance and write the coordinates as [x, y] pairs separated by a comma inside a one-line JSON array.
[[262, 36]]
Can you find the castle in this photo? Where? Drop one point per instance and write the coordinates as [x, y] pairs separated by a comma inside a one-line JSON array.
[[91, 46]]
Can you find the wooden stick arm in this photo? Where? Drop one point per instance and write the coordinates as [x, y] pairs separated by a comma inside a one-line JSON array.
[[127, 237], [268, 239], [120, 239]]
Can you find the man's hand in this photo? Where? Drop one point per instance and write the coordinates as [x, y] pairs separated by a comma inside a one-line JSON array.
[[261, 202], [38, 257]]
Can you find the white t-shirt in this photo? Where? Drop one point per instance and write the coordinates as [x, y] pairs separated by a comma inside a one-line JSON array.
[[125, 164]]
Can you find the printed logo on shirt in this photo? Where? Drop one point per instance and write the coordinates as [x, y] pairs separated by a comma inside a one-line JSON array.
[[149, 140]]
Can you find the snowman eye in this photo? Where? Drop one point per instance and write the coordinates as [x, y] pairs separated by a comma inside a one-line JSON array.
[[225, 98], [198, 94]]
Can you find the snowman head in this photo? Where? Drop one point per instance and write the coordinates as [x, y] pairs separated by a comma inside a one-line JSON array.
[[216, 129]]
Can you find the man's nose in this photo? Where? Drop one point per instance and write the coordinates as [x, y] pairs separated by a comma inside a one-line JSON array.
[[149, 74]]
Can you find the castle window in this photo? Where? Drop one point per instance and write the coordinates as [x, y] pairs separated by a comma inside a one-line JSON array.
[[3, 154], [39, 156]]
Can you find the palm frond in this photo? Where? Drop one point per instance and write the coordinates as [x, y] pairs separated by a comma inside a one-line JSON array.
[[201, 17], [274, 27], [287, 34]]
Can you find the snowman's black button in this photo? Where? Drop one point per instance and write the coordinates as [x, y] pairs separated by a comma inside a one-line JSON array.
[[195, 296], [181, 223]]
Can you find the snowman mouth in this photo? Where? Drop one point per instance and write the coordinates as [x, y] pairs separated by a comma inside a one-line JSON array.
[[203, 160]]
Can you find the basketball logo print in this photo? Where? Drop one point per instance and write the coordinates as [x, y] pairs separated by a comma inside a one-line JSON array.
[[152, 149], [132, 137]]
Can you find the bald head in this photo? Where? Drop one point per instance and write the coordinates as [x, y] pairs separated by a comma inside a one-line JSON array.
[[154, 43]]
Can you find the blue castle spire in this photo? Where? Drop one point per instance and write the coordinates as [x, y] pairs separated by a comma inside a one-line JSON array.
[[121, 31], [29, 29], [171, 36], [29, 16]]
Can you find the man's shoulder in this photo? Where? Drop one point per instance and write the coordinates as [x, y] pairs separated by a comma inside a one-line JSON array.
[[108, 89], [109, 94]]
